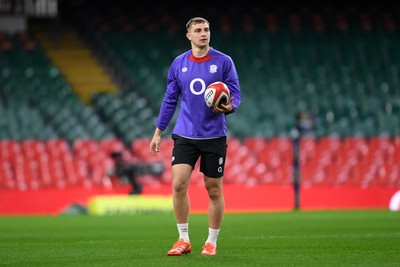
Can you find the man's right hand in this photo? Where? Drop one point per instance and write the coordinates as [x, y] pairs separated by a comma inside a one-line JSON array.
[[155, 142]]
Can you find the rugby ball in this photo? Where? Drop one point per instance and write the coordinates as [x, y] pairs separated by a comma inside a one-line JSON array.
[[216, 94]]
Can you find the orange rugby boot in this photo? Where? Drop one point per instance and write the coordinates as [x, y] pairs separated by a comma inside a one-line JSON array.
[[180, 247], [209, 250]]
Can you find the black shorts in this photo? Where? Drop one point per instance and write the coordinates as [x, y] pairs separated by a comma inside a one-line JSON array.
[[212, 154]]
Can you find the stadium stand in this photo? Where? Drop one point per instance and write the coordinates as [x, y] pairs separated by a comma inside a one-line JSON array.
[[77, 64], [338, 61]]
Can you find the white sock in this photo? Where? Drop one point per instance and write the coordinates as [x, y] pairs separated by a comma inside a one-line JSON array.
[[213, 236], [183, 229]]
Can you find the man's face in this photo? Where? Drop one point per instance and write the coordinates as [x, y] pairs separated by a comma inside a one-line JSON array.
[[199, 34]]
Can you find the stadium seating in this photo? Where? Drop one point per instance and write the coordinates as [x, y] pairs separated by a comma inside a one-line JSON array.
[[295, 63], [341, 63]]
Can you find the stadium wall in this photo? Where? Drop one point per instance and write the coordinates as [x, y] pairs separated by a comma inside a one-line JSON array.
[[238, 198]]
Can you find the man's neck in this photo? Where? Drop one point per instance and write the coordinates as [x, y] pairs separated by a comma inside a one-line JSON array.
[[200, 52]]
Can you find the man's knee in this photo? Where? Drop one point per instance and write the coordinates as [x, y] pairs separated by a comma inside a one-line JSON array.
[[214, 192]]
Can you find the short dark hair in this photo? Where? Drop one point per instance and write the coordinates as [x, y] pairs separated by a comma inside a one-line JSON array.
[[196, 20]]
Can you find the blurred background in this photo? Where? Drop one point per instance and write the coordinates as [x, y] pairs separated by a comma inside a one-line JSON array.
[[82, 79]]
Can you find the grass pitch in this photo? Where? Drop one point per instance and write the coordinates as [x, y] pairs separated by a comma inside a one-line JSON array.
[[323, 238]]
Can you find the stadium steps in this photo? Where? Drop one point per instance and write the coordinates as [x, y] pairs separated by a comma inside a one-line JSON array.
[[76, 62]]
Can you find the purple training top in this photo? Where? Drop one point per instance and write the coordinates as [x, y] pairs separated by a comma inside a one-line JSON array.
[[188, 77]]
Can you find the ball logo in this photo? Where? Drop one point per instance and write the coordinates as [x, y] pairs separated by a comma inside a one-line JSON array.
[[210, 94]]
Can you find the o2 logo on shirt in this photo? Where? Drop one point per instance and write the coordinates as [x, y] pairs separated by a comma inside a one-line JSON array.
[[203, 86]]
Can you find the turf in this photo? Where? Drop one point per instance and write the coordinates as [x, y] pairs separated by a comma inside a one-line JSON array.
[[323, 238]]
